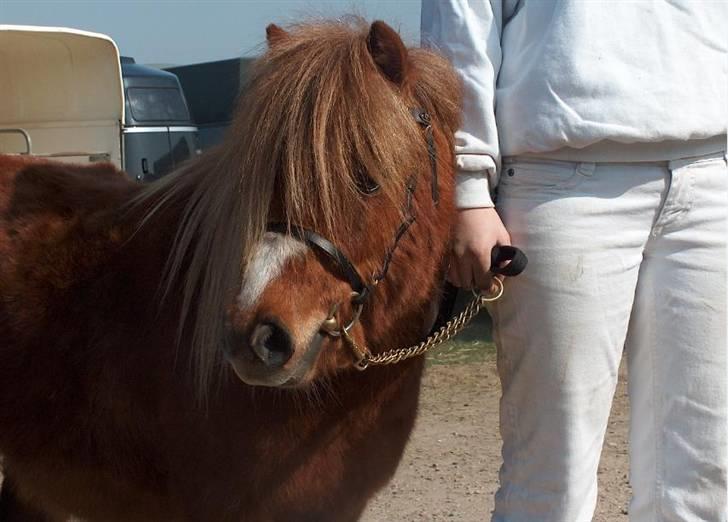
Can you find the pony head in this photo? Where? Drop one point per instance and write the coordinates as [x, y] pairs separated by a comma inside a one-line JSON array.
[[324, 140]]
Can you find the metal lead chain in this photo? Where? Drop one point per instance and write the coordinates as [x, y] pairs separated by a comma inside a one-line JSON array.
[[365, 358]]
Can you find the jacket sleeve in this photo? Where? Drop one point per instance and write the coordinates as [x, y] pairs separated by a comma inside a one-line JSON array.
[[467, 32]]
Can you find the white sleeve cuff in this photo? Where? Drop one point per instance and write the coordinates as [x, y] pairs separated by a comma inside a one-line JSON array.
[[475, 175], [472, 191]]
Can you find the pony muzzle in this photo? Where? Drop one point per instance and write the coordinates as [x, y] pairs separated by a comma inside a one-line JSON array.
[[269, 353]]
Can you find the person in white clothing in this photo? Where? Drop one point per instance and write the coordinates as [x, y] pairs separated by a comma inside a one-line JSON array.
[[599, 129]]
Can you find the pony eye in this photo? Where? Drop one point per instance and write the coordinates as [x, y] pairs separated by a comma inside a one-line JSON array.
[[367, 186], [364, 183]]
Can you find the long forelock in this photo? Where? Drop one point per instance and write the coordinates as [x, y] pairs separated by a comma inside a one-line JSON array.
[[321, 114]]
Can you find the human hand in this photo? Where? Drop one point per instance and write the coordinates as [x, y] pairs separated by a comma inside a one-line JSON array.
[[477, 231]]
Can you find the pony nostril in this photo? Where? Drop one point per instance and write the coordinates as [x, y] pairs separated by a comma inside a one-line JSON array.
[[272, 344]]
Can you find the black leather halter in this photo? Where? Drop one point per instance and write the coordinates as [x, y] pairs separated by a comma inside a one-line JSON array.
[[362, 290], [326, 247]]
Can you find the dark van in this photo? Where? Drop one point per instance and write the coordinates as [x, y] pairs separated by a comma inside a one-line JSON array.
[[212, 90], [158, 133]]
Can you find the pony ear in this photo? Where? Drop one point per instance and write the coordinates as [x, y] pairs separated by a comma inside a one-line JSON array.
[[388, 51], [274, 34]]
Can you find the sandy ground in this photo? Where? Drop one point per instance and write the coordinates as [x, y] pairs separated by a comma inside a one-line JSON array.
[[450, 468]]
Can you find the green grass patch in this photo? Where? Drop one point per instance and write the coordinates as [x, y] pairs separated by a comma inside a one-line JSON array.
[[472, 345], [454, 352]]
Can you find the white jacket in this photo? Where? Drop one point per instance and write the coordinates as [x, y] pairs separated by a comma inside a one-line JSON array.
[[600, 80]]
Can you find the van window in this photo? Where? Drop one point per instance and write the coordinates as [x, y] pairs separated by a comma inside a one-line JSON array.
[[157, 104]]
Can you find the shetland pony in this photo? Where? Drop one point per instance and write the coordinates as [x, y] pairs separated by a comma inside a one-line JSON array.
[[162, 356]]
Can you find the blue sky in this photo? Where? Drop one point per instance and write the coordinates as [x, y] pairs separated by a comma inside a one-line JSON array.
[[181, 32]]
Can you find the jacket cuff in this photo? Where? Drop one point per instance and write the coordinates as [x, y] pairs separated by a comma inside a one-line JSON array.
[[475, 175], [472, 191]]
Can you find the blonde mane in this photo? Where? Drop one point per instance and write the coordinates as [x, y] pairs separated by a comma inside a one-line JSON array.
[[316, 114]]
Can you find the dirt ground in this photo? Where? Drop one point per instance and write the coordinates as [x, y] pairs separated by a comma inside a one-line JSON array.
[[450, 468]]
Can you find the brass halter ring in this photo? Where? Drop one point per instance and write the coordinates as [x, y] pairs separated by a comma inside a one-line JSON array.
[[331, 325], [493, 296]]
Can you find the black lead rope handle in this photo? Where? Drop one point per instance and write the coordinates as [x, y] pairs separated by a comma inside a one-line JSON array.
[[515, 257], [498, 256]]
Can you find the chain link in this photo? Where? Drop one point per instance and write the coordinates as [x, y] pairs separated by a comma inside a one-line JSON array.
[[445, 333]]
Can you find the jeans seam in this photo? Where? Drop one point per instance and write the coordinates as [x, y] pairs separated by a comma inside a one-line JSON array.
[[502, 359], [691, 192], [656, 225], [658, 485], [687, 191]]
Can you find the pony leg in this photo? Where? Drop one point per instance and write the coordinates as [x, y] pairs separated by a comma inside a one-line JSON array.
[[13, 509]]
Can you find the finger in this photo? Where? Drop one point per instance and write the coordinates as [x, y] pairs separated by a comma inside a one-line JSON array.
[[481, 274], [504, 238], [453, 275], [465, 273]]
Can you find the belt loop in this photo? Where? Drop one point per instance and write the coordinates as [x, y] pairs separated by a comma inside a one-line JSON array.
[[586, 168]]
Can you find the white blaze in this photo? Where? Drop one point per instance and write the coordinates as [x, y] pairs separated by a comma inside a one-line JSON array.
[[267, 263]]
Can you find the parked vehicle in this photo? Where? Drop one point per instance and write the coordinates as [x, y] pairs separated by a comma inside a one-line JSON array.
[[211, 89], [158, 131], [64, 97]]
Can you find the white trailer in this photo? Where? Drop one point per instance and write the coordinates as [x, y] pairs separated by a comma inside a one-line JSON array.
[[61, 94]]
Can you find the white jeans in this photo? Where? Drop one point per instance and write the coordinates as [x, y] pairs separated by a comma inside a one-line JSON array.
[[621, 256]]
